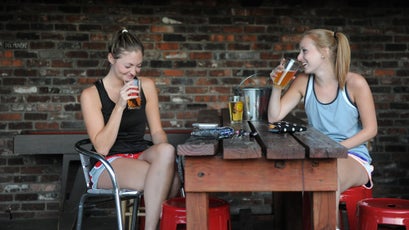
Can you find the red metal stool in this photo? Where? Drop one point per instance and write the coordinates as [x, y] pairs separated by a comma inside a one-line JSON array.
[[174, 214], [348, 201], [382, 211]]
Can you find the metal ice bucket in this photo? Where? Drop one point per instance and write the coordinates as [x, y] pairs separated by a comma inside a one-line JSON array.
[[255, 100]]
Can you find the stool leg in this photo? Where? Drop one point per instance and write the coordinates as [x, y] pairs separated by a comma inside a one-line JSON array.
[[135, 213], [124, 210], [343, 216]]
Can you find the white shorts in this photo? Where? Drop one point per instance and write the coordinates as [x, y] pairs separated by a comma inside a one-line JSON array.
[[368, 168]]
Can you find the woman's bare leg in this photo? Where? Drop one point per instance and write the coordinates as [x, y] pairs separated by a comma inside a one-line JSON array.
[[159, 178], [350, 174], [154, 172]]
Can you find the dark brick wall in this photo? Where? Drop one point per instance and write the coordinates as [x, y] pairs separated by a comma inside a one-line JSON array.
[[51, 50]]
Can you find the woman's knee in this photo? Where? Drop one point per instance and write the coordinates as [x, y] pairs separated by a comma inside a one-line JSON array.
[[166, 151], [166, 147]]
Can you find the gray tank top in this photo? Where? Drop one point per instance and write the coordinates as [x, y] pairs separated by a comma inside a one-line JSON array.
[[338, 119]]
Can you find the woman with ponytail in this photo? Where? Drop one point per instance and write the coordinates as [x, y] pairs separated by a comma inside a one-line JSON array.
[[117, 132], [337, 102]]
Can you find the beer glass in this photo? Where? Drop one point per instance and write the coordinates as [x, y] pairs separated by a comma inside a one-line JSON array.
[[236, 109], [287, 74], [135, 103]]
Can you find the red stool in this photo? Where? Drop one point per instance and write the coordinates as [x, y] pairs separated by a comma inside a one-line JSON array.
[[386, 211], [348, 201], [174, 214]]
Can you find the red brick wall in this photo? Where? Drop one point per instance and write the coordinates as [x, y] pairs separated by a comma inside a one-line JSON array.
[[51, 50]]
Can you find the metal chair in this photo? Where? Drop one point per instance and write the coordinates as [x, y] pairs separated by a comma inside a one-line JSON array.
[[115, 192]]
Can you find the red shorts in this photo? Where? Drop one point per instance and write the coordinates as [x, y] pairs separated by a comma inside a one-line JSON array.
[[119, 155]]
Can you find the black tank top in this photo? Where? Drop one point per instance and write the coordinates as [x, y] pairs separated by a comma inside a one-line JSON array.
[[133, 124]]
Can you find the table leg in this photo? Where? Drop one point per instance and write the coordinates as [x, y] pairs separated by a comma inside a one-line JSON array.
[[324, 210], [197, 210]]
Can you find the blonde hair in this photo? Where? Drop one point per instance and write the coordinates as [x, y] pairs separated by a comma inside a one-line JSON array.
[[340, 51]]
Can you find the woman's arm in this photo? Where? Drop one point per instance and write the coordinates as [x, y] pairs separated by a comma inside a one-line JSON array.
[[152, 111], [279, 106], [102, 136], [360, 93]]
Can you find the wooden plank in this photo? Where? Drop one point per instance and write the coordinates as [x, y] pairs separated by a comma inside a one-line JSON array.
[[236, 147], [196, 146], [324, 201], [198, 215], [201, 146], [319, 145], [213, 174], [241, 147], [279, 145]]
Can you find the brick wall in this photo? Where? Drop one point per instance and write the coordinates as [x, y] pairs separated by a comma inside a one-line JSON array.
[[51, 50]]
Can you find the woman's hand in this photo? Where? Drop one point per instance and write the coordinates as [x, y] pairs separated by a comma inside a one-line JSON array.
[[276, 71], [128, 91], [283, 74]]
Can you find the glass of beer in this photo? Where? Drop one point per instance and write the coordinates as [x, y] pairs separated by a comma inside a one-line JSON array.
[[135, 103], [236, 109], [287, 74]]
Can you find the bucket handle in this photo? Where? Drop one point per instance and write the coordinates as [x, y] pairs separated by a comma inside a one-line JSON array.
[[236, 89], [245, 79]]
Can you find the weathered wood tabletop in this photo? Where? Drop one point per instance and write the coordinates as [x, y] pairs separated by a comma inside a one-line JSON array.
[[261, 161]]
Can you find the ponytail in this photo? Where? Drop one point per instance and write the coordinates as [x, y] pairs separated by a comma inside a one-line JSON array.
[[342, 58]]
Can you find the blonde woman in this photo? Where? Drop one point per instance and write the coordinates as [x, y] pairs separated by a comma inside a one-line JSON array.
[[337, 102]]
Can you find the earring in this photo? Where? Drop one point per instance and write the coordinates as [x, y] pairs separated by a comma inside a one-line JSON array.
[[322, 57]]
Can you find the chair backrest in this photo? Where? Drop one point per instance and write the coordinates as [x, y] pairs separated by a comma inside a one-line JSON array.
[[87, 155], [86, 167], [83, 148]]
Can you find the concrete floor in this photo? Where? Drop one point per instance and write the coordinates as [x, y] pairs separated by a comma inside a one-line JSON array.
[[239, 222], [243, 222]]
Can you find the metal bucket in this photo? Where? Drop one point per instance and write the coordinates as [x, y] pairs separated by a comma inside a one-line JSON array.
[[255, 100]]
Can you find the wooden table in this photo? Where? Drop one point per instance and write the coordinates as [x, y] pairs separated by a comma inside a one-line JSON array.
[[299, 162]]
